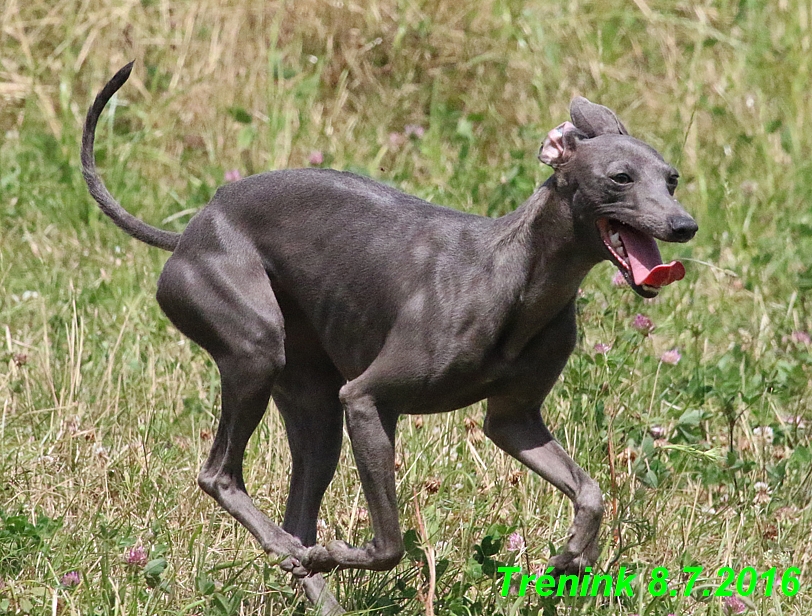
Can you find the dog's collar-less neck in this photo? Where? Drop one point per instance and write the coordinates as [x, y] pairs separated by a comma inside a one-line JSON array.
[[543, 235]]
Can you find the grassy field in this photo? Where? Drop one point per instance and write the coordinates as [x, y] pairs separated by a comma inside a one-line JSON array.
[[107, 412]]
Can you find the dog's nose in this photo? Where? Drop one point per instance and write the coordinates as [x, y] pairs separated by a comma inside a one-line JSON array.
[[683, 228]]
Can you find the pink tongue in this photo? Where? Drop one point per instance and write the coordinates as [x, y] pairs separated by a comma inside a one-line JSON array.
[[647, 265]]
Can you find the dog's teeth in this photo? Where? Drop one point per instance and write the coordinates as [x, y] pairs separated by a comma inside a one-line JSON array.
[[620, 250], [615, 239]]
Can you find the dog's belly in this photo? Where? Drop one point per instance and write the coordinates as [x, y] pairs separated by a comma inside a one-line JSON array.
[[434, 402], [460, 388]]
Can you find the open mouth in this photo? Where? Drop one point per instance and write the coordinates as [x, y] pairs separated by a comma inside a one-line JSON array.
[[638, 258]]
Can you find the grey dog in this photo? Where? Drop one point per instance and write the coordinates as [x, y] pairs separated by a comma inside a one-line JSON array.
[[346, 300]]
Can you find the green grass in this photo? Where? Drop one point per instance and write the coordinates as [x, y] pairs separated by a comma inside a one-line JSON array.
[[107, 412]]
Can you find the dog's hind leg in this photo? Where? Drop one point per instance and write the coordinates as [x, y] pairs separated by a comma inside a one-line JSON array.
[[306, 395], [314, 419], [228, 307], [224, 302]]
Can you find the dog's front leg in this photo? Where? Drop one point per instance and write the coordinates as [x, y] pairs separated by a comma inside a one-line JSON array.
[[514, 423], [372, 433], [521, 432]]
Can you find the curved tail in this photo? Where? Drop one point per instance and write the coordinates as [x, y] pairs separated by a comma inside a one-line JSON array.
[[108, 204]]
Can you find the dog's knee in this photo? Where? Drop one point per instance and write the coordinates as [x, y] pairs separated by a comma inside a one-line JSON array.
[[357, 402], [256, 353], [349, 393]]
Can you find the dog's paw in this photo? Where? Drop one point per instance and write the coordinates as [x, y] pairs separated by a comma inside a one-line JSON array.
[[341, 555], [321, 559], [294, 567]]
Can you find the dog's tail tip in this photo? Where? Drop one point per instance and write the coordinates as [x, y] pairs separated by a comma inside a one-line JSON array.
[[124, 73], [137, 228]]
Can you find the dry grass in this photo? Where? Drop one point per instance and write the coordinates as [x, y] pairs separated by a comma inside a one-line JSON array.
[[109, 414]]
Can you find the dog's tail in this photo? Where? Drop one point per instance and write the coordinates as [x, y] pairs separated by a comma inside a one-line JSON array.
[[108, 204]]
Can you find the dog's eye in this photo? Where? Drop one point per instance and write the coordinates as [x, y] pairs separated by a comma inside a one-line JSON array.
[[621, 178], [673, 180]]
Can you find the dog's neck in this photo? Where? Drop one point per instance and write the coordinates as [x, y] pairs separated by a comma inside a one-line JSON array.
[[541, 234]]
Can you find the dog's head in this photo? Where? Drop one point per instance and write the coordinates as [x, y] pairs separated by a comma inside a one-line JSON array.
[[622, 195]]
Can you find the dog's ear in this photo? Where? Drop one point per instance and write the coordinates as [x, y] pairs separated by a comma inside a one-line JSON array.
[[594, 119], [559, 145]]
